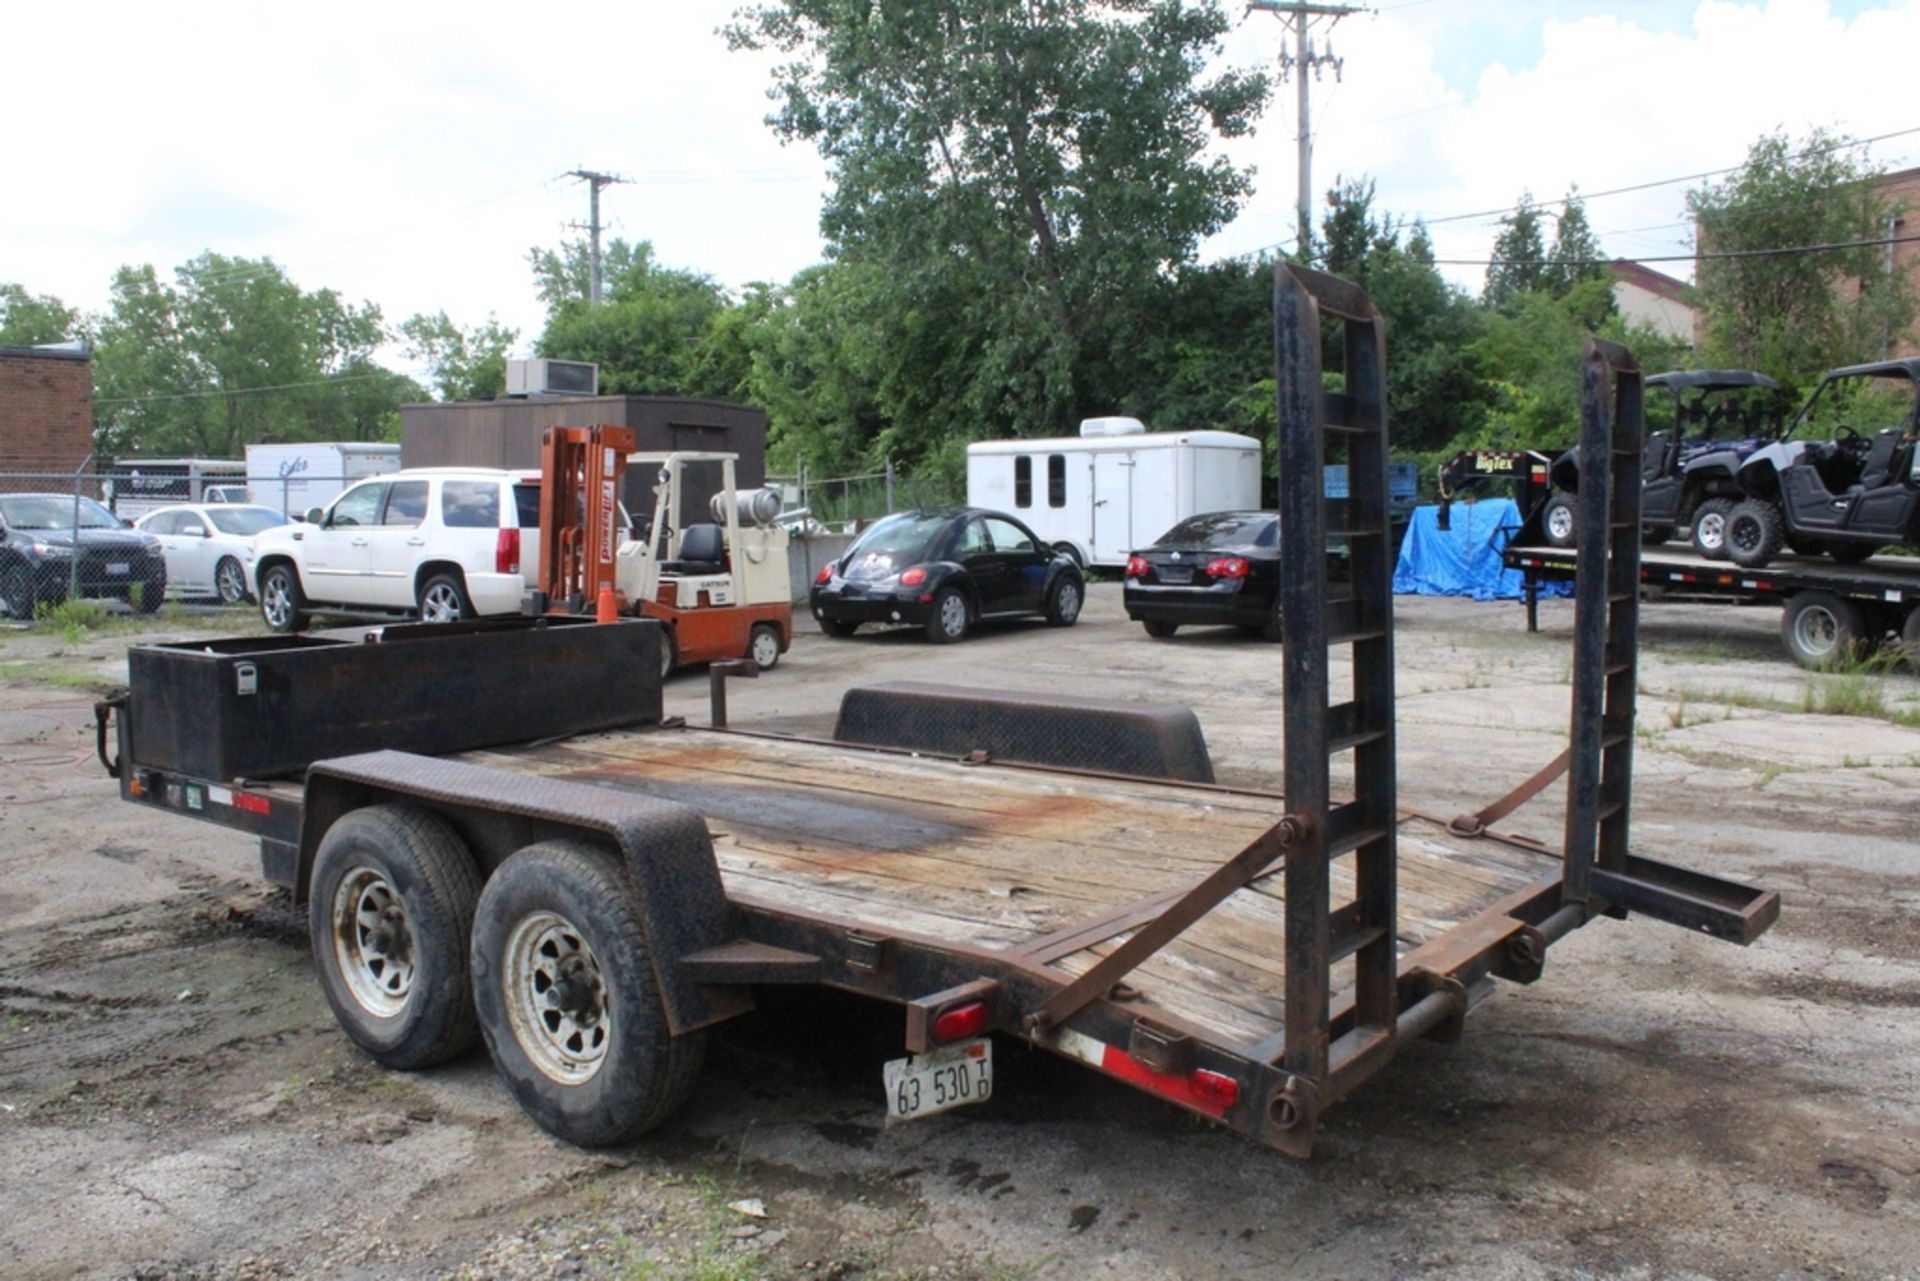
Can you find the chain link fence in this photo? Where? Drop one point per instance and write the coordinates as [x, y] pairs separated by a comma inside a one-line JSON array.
[[848, 504]]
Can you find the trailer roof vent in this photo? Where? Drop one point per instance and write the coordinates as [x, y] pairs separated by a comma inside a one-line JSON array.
[[1112, 427], [552, 378]]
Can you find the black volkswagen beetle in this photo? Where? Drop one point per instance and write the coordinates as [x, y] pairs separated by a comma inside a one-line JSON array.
[[1219, 568], [945, 571]]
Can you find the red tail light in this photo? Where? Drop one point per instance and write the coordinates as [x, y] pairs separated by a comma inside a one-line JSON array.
[[1136, 567], [1227, 567], [826, 572], [959, 1022], [506, 552], [1214, 1087], [913, 577]]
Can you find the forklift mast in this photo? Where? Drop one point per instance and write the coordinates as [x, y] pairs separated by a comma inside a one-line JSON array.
[[580, 474]]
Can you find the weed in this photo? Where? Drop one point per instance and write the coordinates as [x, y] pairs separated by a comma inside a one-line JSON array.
[[73, 619], [1856, 695], [1767, 775]]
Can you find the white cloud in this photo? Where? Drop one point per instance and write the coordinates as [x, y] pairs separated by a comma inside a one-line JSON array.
[[410, 153]]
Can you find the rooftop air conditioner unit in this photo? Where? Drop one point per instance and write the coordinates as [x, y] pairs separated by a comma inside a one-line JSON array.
[[1112, 427], [552, 378]]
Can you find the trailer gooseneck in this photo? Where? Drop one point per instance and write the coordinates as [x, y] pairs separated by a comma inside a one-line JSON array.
[[591, 890]]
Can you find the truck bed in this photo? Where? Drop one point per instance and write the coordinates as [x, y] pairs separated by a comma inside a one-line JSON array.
[[997, 858]]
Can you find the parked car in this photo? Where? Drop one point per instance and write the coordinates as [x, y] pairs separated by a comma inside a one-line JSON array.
[[945, 571], [209, 546], [445, 542], [51, 543], [1222, 568]]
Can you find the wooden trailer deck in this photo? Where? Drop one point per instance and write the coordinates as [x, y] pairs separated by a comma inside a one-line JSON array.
[[999, 859]]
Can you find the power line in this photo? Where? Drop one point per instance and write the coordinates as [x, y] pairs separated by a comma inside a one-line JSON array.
[[594, 180], [1298, 17], [1784, 251], [247, 391]]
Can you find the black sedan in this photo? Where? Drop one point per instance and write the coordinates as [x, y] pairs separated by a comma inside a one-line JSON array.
[[50, 543], [945, 571], [1220, 568]]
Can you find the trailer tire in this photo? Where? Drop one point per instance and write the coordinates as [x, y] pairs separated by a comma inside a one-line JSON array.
[[1754, 533], [595, 1064], [388, 915], [1821, 630], [1558, 520], [1159, 630], [1710, 527], [1851, 553], [1655, 535], [1910, 639]]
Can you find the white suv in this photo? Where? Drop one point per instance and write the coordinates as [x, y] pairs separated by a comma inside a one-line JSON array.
[[448, 542]]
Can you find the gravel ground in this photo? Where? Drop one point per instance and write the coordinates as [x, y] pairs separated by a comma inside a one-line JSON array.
[[175, 1100]]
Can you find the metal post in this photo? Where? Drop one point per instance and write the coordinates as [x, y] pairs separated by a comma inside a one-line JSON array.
[[73, 558]]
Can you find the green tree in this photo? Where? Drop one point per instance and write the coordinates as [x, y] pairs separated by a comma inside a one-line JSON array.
[[650, 334], [27, 320], [1576, 253], [1017, 183], [1796, 315], [1518, 263], [467, 364], [233, 352]]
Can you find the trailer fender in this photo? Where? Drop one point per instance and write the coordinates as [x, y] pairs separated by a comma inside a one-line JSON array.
[[683, 906]]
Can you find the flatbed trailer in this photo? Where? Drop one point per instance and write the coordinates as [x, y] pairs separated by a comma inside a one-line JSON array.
[[592, 898], [1829, 610]]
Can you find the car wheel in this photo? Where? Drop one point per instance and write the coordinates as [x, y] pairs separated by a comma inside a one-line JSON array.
[[1710, 528], [1160, 631], [1821, 630], [564, 983], [16, 592], [389, 914], [147, 597], [948, 622], [1271, 631], [230, 582], [1753, 533], [1558, 521], [282, 603], [764, 646], [443, 599], [836, 626], [1064, 601]]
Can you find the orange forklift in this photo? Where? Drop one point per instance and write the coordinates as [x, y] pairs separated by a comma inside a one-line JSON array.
[[719, 588]]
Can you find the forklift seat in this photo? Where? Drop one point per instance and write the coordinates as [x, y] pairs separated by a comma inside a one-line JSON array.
[[703, 550]]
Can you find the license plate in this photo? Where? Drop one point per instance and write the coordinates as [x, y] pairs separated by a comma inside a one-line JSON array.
[[1168, 574], [924, 1084], [119, 568]]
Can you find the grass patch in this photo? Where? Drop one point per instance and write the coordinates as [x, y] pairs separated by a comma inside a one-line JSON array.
[[75, 620], [1856, 695]]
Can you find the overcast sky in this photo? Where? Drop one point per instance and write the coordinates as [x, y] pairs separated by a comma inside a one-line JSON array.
[[409, 153]]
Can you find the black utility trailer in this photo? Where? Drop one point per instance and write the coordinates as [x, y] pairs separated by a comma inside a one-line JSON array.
[[592, 901], [1830, 613]]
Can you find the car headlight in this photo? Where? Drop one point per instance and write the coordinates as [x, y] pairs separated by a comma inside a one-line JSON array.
[[51, 550], [154, 549]]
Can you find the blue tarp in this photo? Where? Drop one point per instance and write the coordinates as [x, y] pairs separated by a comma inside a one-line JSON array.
[[1464, 560]]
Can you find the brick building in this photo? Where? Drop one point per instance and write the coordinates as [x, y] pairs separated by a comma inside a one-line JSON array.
[[46, 408], [1902, 189]]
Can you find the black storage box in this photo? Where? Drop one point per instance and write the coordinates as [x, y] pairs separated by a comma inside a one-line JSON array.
[[260, 707]]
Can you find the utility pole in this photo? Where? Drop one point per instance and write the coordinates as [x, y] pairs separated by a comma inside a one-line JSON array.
[[1297, 62], [594, 182]]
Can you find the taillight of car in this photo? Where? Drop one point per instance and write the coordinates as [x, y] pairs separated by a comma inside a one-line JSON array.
[[914, 577], [506, 552], [826, 572], [1136, 567], [1227, 567]]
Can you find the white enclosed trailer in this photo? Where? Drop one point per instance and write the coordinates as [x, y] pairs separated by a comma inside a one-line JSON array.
[[299, 477], [1115, 486]]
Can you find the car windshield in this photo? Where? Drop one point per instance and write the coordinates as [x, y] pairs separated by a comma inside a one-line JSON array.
[[244, 521], [49, 511], [1223, 529]]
